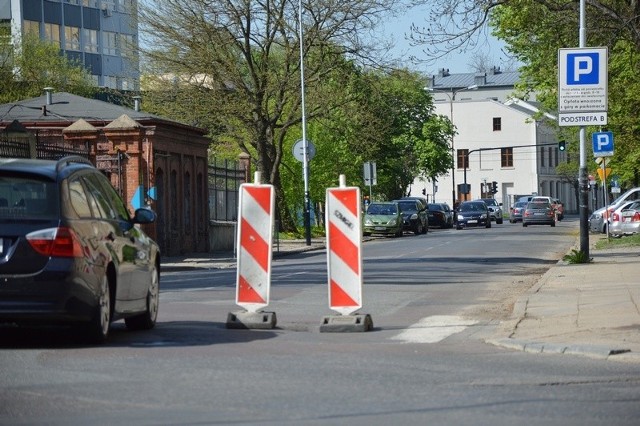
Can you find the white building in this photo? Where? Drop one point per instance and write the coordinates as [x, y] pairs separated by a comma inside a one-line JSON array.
[[502, 139]]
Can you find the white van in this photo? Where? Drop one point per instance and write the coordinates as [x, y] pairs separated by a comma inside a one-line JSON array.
[[597, 222]]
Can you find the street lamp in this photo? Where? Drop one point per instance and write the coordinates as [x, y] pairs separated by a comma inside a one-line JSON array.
[[451, 94]]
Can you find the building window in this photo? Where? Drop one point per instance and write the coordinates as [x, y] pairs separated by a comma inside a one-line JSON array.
[[31, 27], [52, 33], [110, 81], [127, 44], [497, 124], [90, 41], [543, 160], [72, 38], [463, 158], [506, 157], [109, 43], [108, 5], [90, 3]]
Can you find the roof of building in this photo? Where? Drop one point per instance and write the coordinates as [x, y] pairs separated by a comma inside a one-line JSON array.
[[493, 78], [66, 107]]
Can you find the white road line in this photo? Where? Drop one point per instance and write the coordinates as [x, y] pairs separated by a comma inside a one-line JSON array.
[[434, 329]]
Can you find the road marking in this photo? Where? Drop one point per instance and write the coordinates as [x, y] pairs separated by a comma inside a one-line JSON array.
[[434, 329]]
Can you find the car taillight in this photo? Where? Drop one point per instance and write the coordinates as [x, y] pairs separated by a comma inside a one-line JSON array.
[[615, 217], [55, 242]]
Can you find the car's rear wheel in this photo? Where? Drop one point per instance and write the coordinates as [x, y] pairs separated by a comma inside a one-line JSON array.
[[147, 319], [98, 329], [499, 221]]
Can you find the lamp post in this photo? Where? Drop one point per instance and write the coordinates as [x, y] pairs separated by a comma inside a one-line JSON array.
[[451, 94]]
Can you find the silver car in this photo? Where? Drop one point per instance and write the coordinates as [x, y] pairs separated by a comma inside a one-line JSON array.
[[495, 209], [600, 219], [625, 220]]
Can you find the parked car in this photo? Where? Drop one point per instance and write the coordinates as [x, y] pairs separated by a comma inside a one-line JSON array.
[[70, 253], [440, 215], [624, 220], [383, 218], [539, 212], [473, 213], [516, 211], [414, 216], [599, 219], [495, 209]]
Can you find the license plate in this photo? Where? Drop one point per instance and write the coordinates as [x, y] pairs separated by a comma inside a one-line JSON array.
[[379, 228], [472, 221]]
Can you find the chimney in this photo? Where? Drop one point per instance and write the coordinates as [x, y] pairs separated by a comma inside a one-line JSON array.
[[480, 79], [49, 92], [136, 103], [443, 72]]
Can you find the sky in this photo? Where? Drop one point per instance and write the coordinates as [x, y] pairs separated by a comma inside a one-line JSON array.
[[396, 29]]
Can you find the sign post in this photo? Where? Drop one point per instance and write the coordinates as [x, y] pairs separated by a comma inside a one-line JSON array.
[[582, 101], [255, 243], [344, 260]]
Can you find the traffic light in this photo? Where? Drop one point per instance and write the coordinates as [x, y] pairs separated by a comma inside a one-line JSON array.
[[494, 187], [562, 146]]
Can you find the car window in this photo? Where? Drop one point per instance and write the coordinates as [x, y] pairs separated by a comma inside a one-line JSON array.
[[100, 203], [120, 210], [78, 199], [381, 209], [408, 207], [27, 197]]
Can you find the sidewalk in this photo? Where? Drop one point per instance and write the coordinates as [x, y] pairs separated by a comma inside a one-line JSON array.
[[579, 309]]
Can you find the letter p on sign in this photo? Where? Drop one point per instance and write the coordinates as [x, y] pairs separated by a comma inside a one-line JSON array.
[[583, 68]]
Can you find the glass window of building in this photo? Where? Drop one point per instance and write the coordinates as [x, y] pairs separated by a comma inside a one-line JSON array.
[[72, 38], [127, 46], [31, 27], [52, 33], [109, 44], [110, 81], [108, 5], [90, 41]]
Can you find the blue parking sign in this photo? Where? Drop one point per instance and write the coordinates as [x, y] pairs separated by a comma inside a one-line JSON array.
[[583, 68], [602, 144]]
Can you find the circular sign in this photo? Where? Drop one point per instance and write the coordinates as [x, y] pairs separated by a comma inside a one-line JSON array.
[[298, 150]]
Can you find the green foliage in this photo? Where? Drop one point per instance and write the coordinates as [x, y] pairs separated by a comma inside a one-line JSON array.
[[534, 30], [30, 65], [577, 256]]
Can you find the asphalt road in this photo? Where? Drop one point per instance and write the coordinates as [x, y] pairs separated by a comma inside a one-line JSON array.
[[432, 298]]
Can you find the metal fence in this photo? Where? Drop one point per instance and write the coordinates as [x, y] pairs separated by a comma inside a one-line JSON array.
[[225, 177], [20, 147]]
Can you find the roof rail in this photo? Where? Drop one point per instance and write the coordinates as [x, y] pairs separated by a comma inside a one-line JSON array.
[[71, 159]]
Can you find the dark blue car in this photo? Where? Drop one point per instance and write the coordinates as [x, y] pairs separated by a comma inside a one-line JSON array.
[[473, 214], [70, 254]]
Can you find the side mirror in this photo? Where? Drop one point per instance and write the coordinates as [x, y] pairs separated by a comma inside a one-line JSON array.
[[144, 215]]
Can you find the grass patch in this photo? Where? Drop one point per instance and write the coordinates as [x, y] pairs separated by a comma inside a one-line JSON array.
[[626, 241], [316, 232]]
